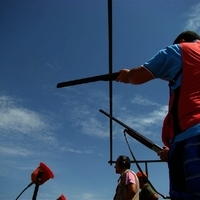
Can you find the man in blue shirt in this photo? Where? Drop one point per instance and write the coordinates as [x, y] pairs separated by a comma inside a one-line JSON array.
[[179, 64]]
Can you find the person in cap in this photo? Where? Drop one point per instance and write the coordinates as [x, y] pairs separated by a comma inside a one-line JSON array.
[[146, 192], [179, 64], [128, 184]]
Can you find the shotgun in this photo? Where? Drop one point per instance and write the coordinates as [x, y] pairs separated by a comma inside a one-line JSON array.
[[142, 139], [104, 77]]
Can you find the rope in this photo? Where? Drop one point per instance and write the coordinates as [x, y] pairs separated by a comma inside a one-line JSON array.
[[24, 190]]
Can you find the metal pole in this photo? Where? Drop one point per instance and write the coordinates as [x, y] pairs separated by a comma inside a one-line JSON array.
[[110, 69]]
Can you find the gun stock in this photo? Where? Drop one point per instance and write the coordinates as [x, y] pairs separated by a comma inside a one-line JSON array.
[[104, 77], [139, 137]]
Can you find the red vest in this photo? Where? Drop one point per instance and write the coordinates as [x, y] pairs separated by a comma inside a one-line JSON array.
[[188, 110]]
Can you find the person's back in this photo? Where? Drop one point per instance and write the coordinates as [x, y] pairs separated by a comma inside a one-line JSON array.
[[146, 192], [189, 102]]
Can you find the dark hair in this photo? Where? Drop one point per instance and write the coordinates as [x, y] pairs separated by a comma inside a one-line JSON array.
[[187, 36], [124, 162]]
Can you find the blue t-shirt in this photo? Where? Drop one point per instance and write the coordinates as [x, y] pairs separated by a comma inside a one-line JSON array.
[[166, 64]]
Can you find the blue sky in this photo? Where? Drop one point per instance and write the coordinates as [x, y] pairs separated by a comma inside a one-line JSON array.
[[43, 43]]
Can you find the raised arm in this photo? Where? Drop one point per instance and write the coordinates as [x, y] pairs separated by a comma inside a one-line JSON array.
[[138, 75]]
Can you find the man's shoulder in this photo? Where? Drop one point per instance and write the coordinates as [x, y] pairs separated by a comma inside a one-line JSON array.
[[149, 188], [130, 172]]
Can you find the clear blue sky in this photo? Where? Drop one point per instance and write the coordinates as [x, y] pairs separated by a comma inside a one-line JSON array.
[[43, 43]]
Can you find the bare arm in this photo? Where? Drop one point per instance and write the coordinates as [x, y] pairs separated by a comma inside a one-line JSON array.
[[135, 76], [154, 197], [131, 191]]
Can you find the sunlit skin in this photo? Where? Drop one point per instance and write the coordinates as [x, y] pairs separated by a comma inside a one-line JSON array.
[[135, 76]]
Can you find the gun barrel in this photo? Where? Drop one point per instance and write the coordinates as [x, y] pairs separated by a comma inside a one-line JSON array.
[[139, 137], [104, 77], [145, 141]]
